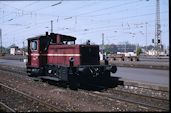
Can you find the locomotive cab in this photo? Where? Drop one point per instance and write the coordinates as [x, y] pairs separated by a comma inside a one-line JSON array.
[[57, 57]]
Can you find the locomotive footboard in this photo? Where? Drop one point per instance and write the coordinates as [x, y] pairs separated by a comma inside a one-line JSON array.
[[80, 73], [33, 71]]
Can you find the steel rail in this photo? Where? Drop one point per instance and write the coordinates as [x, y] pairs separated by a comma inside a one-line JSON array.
[[136, 94], [12, 70], [6, 108], [130, 101], [23, 72], [49, 106], [110, 96], [142, 95]]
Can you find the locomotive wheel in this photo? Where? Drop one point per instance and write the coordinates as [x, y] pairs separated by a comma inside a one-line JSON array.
[[73, 83], [31, 75], [131, 59], [107, 75], [107, 79]]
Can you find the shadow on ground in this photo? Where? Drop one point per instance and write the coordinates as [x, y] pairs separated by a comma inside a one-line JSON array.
[[93, 86]]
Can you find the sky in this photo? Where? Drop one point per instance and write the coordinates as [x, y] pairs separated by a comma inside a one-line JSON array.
[[121, 21]]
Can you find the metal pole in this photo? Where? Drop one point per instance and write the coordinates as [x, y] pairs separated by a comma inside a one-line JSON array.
[[157, 26], [136, 49], [51, 26], [103, 45], [146, 36], [23, 48], [1, 40], [125, 47]]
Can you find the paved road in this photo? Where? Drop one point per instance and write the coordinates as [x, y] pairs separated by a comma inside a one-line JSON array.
[[143, 75], [13, 62], [145, 62], [137, 74]]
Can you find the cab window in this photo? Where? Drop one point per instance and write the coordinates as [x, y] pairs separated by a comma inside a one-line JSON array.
[[71, 42], [68, 42], [34, 45]]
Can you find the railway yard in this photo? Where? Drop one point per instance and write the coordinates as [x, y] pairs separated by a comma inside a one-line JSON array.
[[88, 56], [20, 93]]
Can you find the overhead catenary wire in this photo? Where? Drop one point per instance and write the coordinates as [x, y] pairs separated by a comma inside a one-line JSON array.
[[78, 14], [27, 12], [95, 10], [90, 29], [136, 16], [90, 23], [106, 8], [30, 4]]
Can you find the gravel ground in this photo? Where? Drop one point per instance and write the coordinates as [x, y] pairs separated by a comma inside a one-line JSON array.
[[71, 100], [19, 103], [151, 101], [150, 92]]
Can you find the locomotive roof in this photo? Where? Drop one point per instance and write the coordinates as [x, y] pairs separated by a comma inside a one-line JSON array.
[[66, 39]]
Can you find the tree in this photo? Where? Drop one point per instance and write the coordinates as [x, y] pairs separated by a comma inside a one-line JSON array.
[[113, 46], [13, 46], [106, 48], [139, 51], [150, 47]]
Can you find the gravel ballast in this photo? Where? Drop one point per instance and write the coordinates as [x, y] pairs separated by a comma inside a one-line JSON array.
[[69, 99]]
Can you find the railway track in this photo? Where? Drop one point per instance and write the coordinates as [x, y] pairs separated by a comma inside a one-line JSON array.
[[12, 69], [22, 71], [145, 101], [5, 108], [32, 99], [146, 105], [142, 95]]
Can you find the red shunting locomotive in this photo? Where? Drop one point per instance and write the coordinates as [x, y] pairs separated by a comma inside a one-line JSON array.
[[57, 57]]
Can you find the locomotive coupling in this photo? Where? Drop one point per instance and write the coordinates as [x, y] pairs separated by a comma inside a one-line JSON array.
[[71, 61]]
